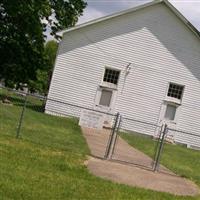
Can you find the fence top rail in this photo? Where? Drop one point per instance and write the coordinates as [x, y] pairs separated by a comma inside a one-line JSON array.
[[184, 132], [140, 121], [81, 107], [24, 93], [54, 100]]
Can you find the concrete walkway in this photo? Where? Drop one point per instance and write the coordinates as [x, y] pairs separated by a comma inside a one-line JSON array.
[[122, 170]]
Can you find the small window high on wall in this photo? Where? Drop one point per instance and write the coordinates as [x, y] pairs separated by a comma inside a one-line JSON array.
[[111, 76], [175, 91]]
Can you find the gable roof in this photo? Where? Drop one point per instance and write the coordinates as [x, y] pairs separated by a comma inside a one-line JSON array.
[[166, 2]]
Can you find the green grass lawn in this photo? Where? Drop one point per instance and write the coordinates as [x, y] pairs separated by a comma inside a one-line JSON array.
[[47, 162], [181, 160]]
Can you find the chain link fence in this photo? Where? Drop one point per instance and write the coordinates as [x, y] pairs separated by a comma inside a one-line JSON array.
[[26, 116], [150, 144], [170, 148], [10, 110]]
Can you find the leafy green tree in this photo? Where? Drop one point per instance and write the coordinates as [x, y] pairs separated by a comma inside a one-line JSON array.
[[22, 34], [43, 75], [50, 53]]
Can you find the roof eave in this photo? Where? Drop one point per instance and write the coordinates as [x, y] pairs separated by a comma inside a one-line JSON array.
[[182, 18], [167, 3]]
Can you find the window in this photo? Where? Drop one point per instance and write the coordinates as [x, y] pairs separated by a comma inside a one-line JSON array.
[[105, 99], [170, 112], [111, 76], [175, 91]]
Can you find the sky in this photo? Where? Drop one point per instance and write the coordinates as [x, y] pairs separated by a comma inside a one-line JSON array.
[[99, 8]]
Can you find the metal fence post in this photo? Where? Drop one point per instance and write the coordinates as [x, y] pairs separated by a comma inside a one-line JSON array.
[[157, 145], [21, 117], [160, 149], [116, 135], [111, 139]]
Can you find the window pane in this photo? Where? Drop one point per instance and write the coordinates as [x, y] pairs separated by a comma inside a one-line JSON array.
[[111, 76], [170, 112], [105, 98], [175, 91]]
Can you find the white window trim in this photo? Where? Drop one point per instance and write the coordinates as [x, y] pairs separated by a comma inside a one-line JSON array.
[[98, 97], [107, 84], [173, 99]]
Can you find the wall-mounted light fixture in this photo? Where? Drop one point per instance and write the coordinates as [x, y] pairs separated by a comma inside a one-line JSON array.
[[128, 68]]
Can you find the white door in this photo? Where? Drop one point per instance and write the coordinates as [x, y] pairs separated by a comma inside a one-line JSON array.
[[104, 102], [169, 116]]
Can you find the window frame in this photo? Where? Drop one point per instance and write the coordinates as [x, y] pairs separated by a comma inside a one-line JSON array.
[[177, 99], [109, 84], [168, 100]]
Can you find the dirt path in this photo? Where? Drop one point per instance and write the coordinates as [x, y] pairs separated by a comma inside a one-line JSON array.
[[126, 173]]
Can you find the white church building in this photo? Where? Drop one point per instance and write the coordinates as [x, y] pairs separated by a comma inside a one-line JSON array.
[[143, 62]]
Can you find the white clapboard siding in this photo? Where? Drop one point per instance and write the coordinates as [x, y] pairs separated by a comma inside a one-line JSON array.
[[161, 49]]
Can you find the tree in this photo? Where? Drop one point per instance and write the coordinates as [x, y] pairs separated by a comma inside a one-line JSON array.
[[41, 84], [22, 34]]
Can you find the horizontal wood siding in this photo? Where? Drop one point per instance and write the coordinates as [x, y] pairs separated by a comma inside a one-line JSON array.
[[161, 49]]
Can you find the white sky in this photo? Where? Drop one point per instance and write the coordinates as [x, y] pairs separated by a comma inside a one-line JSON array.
[[98, 8]]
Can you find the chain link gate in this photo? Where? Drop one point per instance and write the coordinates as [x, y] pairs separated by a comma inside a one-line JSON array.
[[122, 147], [113, 138]]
